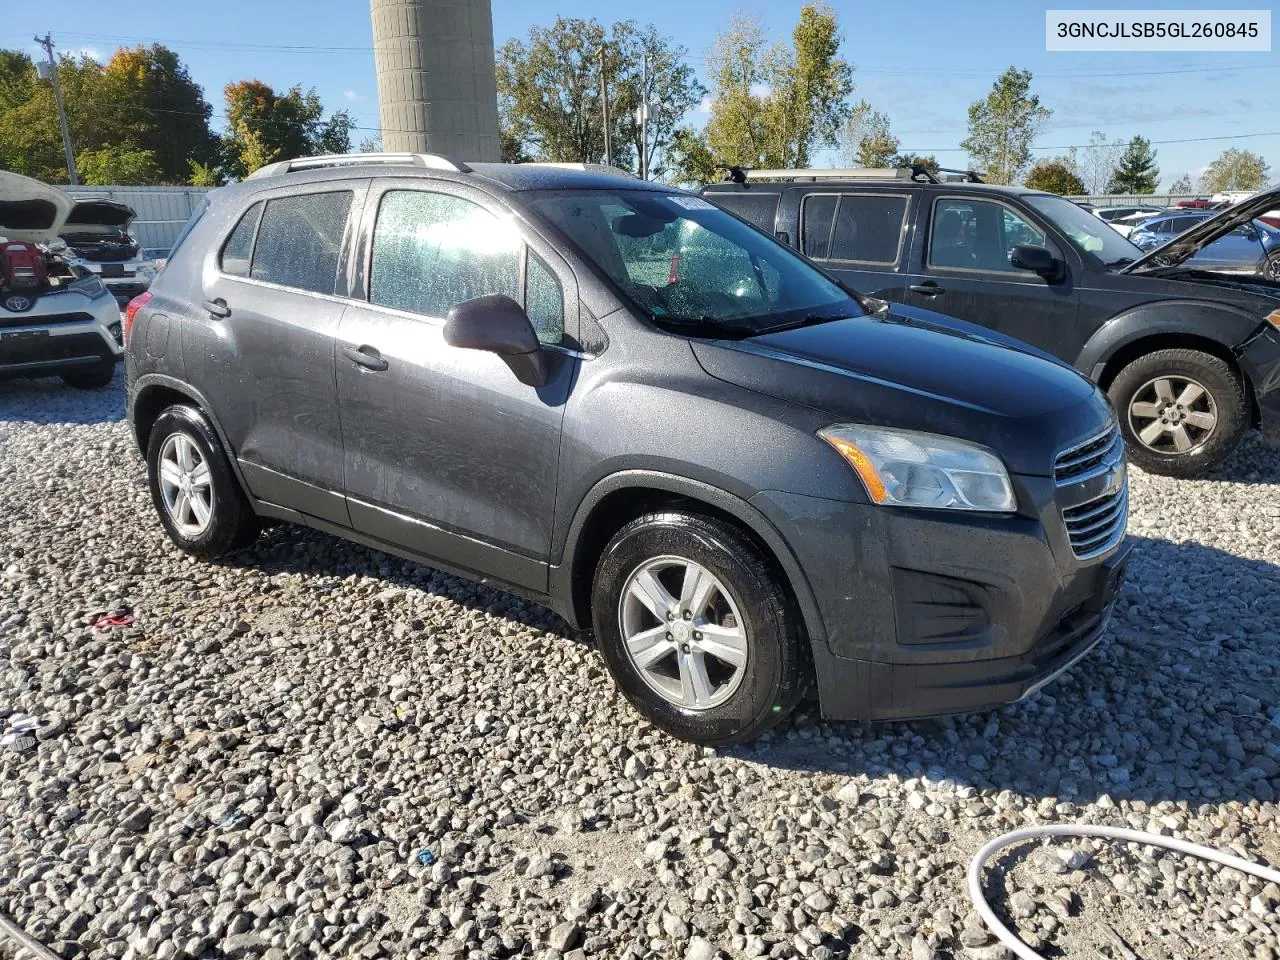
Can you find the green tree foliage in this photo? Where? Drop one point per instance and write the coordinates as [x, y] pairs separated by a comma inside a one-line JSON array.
[[1055, 175], [1002, 126], [204, 175], [1182, 186], [929, 163], [865, 140], [1236, 170], [1137, 171], [30, 140], [263, 125], [774, 107], [690, 159], [112, 165], [550, 95]]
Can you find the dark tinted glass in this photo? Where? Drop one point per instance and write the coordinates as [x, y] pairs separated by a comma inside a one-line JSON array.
[[815, 228], [300, 241], [868, 228], [238, 251], [758, 208]]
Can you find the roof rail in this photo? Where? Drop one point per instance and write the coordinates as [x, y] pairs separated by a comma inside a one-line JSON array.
[[430, 161], [592, 167], [849, 173]]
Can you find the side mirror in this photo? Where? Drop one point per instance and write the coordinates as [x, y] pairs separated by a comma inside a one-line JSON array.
[[498, 324], [1037, 259]]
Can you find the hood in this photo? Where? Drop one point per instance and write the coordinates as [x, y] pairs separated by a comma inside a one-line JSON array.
[[31, 211], [109, 217], [1186, 245], [921, 371]]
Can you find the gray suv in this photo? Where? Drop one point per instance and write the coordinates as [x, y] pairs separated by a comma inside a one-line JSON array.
[[625, 403]]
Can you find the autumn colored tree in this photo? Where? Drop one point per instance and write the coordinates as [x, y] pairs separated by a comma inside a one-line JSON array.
[[263, 125]]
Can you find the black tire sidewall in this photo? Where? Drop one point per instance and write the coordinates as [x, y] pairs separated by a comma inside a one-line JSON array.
[[231, 521], [768, 690], [1223, 385]]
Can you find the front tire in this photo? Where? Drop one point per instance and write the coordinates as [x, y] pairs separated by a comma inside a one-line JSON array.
[[1182, 412], [200, 503], [95, 378], [698, 630]]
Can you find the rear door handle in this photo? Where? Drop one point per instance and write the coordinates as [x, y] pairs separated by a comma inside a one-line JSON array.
[[928, 288], [365, 356], [218, 308]]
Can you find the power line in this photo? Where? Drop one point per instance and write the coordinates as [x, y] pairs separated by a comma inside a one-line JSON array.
[[1086, 146]]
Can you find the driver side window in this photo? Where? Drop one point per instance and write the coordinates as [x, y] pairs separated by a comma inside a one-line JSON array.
[[978, 235]]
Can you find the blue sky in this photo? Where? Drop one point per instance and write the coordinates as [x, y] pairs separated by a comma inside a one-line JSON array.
[[922, 63]]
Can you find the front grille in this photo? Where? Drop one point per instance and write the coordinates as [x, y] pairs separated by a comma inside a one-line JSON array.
[[1098, 525], [36, 320], [1089, 459]]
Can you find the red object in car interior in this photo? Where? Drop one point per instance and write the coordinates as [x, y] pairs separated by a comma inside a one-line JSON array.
[[131, 312]]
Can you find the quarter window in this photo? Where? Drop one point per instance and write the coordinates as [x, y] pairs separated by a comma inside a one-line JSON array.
[[868, 228], [300, 241], [238, 251], [432, 251], [978, 235], [544, 300], [817, 213]]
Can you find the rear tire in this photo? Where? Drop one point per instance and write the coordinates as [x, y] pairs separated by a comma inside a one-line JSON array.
[[1182, 412], [726, 683], [95, 378], [199, 500], [1272, 269]]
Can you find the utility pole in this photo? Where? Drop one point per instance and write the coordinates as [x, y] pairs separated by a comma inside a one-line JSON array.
[[47, 43], [604, 90], [644, 117]]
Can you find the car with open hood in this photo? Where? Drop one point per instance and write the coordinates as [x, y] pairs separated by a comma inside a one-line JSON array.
[[1188, 353], [56, 318], [617, 399], [97, 240], [1250, 248]]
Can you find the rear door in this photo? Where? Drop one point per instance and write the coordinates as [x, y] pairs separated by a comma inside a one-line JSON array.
[[962, 269], [446, 453], [265, 344], [860, 236]]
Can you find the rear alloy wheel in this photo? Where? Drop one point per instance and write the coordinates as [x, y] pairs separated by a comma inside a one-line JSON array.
[[198, 498], [1182, 412], [697, 628]]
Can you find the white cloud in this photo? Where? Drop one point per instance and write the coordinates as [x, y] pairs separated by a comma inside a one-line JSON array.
[[705, 105], [351, 95], [92, 52]]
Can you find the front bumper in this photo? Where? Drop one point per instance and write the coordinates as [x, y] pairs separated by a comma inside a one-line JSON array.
[[928, 613], [1260, 360], [34, 346]]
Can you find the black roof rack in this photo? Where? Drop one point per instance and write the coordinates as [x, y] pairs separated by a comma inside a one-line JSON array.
[[916, 173]]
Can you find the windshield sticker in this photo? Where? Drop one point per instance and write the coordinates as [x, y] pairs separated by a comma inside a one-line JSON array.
[[692, 203]]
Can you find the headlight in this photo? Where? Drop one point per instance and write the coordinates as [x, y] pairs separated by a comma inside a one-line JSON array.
[[910, 469], [1273, 318]]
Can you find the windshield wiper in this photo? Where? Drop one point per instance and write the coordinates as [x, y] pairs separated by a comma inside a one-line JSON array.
[[709, 326], [809, 320], [1120, 262]]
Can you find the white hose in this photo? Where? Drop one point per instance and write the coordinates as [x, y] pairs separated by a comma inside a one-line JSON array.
[[1010, 939]]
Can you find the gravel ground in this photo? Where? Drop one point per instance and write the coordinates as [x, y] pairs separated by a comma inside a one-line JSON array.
[[319, 750]]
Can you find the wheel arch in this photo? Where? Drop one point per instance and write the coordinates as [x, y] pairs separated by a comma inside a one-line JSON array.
[[620, 498], [153, 394]]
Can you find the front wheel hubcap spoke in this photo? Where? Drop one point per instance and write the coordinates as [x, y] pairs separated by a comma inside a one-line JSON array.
[[724, 643], [652, 594], [1151, 432]]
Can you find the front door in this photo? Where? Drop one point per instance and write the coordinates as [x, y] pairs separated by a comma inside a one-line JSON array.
[[266, 347], [446, 453], [965, 272]]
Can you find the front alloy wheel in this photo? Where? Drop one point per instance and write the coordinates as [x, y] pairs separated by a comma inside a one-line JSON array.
[[683, 633], [1173, 414]]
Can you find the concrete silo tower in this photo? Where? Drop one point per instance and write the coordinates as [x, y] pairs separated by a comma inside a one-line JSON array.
[[436, 86]]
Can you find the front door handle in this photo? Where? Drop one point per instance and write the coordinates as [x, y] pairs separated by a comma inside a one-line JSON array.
[[218, 308], [365, 356], [928, 288]]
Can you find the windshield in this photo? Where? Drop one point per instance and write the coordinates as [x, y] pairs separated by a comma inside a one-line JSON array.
[[1086, 232], [689, 264]]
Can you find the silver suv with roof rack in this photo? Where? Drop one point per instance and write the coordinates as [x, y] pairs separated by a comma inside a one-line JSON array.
[[1189, 354]]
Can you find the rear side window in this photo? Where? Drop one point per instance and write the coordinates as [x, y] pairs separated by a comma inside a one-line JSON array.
[[868, 228], [816, 215], [432, 251], [300, 241], [237, 252], [754, 207]]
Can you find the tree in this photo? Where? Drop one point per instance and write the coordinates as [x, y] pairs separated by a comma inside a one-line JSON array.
[[30, 140], [1096, 163], [734, 133], [1182, 185], [865, 140], [929, 163], [669, 86], [1235, 170], [1055, 176], [263, 126], [111, 165], [204, 175], [1002, 126], [1137, 171], [690, 160]]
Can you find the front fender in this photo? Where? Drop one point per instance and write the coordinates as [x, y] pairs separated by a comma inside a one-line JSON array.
[[1223, 324]]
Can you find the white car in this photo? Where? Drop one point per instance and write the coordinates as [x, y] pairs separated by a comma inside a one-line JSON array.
[[58, 320], [1124, 218], [96, 239]]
